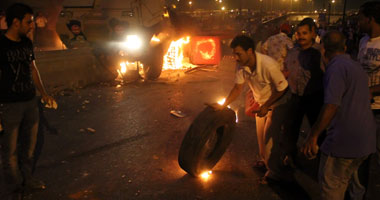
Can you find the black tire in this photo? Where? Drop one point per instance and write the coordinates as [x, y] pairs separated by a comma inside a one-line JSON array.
[[206, 140], [153, 63]]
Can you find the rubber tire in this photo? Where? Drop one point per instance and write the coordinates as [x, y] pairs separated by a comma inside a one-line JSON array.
[[153, 63], [195, 155]]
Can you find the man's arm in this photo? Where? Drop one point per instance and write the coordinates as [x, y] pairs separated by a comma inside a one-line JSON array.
[[234, 93], [310, 148], [40, 87], [273, 98]]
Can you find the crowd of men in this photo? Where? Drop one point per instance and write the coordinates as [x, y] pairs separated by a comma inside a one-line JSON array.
[[338, 96]]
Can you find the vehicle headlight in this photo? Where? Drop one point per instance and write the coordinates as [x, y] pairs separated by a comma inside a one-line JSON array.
[[133, 42]]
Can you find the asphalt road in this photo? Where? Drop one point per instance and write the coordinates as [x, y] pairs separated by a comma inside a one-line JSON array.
[[122, 143]]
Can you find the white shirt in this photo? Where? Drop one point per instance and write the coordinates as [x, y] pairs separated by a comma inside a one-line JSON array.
[[369, 58], [264, 80]]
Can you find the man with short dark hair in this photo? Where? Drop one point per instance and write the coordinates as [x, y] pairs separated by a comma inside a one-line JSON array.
[[269, 88], [369, 57], [346, 114], [19, 78], [304, 74]]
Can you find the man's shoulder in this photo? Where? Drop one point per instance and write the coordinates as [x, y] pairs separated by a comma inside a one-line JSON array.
[[343, 63], [267, 62]]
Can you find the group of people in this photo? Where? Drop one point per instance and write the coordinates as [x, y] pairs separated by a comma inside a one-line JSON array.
[[338, 96]]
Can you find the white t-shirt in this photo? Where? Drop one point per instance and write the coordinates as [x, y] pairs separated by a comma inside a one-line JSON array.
[[266, 78], [369, 58]]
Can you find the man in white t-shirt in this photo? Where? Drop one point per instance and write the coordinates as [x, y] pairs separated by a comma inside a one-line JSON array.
[[269, 88], [369, 58]]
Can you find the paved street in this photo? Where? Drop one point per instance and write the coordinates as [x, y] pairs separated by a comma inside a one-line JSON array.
[[132, 151]]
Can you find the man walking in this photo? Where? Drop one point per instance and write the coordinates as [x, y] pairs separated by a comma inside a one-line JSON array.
[[19, 78], [347, 115], [369, 58]]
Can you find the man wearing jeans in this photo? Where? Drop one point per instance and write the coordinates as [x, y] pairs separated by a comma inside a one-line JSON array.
[[369, 58], [351, 133], [19, 78]]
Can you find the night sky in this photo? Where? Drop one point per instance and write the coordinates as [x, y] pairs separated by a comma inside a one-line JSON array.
[[267, 4]]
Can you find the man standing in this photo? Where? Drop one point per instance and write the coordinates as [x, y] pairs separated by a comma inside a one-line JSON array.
[[305, 77], [369, 57], [269, 86], [347, 115], [277, 46], [19, 78]]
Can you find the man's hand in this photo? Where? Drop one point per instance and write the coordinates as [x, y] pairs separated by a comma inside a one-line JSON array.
[[50, 102], [310, 147], [262, 112]]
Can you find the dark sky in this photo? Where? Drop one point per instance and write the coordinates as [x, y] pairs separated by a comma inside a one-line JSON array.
[[269, 4]]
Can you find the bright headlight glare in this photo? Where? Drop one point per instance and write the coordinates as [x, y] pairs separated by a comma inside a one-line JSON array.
[[133, 42]]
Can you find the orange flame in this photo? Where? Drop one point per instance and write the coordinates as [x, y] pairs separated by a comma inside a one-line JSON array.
[[174, 57]]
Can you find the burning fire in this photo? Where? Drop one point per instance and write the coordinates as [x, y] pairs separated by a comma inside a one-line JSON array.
[[125, 67], [174, 57], [155, 39], [206, 175], [221, 102], [207, 55]]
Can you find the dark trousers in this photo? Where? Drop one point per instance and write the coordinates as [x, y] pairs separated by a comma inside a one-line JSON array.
[[298, 107], [20, 124]]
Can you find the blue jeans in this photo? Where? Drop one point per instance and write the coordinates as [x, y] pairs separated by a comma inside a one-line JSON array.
[[20, 125], [336, 175]]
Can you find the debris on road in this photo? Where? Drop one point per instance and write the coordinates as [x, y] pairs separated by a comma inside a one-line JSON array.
[[202, 68], [178, 113], [91, 130]]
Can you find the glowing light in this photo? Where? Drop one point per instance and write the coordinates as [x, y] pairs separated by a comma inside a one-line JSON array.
[[221, 102], [133, 42], [223, 8], [207, 55], [166, 14], [155, 39], [123, 67], [190, 2], [206, 175], [237, 118], [173, 59]]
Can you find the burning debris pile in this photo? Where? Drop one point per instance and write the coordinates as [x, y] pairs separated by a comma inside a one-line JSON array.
[[174, 58]]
